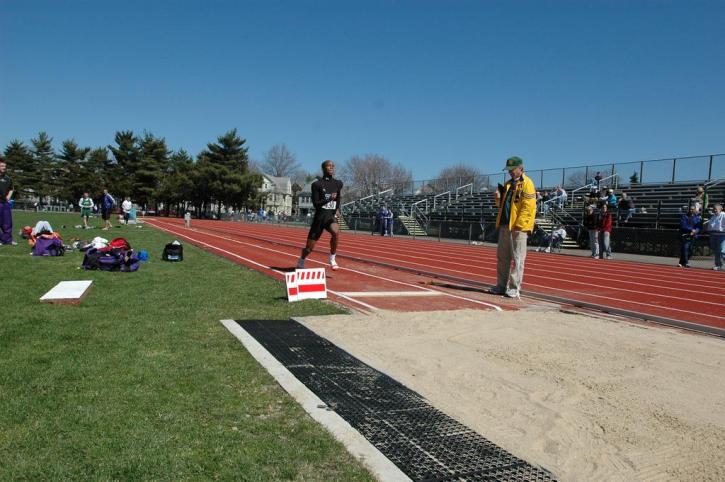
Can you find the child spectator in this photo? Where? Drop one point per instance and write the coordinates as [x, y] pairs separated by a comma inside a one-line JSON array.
[[126, 207]]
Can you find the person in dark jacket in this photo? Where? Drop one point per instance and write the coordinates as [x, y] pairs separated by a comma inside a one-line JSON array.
[[590, 223], [327, 199], [690, 227]]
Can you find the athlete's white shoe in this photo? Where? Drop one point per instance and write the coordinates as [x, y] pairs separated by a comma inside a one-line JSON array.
[[333, 263], [301, 263]]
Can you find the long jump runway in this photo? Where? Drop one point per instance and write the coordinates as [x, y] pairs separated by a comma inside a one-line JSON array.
[[401, 274]]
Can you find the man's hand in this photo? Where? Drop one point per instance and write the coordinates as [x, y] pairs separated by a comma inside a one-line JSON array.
[[334, 196]]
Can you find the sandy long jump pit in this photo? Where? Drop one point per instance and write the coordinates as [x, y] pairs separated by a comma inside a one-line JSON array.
[[586, 397]]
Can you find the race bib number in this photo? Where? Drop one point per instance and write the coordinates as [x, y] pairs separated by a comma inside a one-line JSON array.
[[330, 205]]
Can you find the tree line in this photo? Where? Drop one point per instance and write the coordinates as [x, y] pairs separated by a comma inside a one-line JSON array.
[[144, 168], [141, 167]]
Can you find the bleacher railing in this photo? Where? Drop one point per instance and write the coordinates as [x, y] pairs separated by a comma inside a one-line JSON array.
[[621, 174]]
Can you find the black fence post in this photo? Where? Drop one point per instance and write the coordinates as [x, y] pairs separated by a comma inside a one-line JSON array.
[[674, 166], [659, 208], [709, 170]]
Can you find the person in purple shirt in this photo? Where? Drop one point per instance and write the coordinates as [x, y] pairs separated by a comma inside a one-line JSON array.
[[690, 227], [6, 212]]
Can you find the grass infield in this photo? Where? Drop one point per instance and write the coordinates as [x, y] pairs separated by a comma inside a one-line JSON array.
[[141, 381]]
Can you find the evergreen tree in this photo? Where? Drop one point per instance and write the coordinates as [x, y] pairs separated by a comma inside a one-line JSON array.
[[222, 173], [176, 185], [45, 161], [97, 169], [154, 156], [73, 171], [127, 159], [22, 168]]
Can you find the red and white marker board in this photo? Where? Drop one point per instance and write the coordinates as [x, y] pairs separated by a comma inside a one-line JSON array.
[[305, 284]]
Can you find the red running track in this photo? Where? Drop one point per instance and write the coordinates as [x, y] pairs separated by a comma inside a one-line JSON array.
[[693, 296]]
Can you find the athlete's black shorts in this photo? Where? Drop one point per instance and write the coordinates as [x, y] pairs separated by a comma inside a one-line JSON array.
[[320, 224], [105, 214]]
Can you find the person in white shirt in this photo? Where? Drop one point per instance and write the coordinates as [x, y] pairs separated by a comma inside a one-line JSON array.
[[716, 229], [126, 207], [187, 219]]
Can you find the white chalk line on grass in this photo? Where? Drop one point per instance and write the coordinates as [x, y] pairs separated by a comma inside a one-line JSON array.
[[369, 307], [609, 298], [357, 445], [445, 293]]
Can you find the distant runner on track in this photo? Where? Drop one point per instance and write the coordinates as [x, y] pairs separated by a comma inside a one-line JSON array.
[[327, 199]]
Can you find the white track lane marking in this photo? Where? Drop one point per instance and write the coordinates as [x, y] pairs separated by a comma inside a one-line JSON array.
[[470, 300], [378, 294], [369, 307], [611, 268], [608, 298]]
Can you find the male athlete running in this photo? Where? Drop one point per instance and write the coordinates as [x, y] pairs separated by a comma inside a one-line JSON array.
[[326, 199]]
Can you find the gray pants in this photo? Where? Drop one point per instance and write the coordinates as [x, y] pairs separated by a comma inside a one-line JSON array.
[[604, 244], [594, 242], [511, 247]]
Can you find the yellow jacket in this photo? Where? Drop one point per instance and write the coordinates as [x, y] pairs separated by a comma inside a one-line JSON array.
[[523, 205]]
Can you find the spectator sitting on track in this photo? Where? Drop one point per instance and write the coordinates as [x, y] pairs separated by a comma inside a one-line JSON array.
[[553, 240], [591, 224], [716, 230], [690, 226]]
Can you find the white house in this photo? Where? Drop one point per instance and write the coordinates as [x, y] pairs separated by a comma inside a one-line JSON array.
[[304, 199], [277, 192]]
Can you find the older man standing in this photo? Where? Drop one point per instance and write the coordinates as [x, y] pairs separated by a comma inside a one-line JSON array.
[[6, 194], [516, 201]]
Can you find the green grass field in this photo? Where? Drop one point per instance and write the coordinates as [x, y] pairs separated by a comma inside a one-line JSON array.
[[141, 381]]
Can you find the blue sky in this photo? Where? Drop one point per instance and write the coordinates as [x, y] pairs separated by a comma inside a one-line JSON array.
[[427, 84]]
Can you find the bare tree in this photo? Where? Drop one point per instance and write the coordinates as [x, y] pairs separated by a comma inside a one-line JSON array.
[[373, 173], [279, 161]]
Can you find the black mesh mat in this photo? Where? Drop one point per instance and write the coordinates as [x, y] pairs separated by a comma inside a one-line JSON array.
[[424, 443]]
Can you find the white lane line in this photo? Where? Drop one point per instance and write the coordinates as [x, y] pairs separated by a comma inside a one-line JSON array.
[[370, 307], [374, 294], [568, 290], [637, 271], [354, 442], [470, 300]]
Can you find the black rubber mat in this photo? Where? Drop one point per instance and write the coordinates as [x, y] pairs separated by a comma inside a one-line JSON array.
[[423, 442]]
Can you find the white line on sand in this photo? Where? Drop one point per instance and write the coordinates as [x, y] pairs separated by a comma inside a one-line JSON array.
[[355, 443]]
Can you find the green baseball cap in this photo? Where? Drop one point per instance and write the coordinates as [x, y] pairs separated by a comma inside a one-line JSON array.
[[513, 162]]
